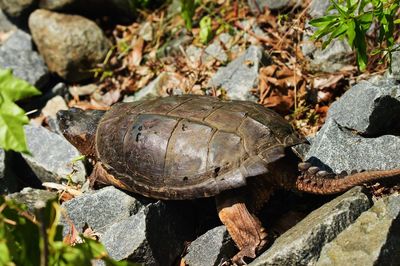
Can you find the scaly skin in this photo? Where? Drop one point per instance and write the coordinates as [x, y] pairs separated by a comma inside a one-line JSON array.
[[311, 183]]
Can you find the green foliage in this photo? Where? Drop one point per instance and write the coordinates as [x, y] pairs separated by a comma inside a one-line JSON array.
[[205, 29], [187, 12], [353, 19], [12, 117], [25, 240]]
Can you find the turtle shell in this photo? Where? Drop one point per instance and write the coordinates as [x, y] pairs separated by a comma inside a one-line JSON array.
[[185, 147]]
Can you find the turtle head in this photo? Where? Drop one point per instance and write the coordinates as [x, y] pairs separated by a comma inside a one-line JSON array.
[[79, 128]]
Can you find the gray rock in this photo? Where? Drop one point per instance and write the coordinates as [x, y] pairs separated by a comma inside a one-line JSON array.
[[334, 57], [337, 149], [30, 196], [257, 6], [302, 244], [52, 156], [240, 76], [99, 209], [368, 108], [71, 45], [318, 8], [174, 46], [17, 53], [5, 23], [153, 236], [212, 248], [155, 88], [373, 239], [395, 65], [16, 7], [216, 49]]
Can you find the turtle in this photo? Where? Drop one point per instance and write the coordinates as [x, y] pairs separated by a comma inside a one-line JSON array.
[[188, 147]]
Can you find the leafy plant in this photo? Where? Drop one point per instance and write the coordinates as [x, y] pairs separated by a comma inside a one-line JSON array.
[[353, 19], [12, 117], [187, 12], [28, 240], [205, 29]]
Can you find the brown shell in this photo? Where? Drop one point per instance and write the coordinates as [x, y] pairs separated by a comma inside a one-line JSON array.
[[185, 147]]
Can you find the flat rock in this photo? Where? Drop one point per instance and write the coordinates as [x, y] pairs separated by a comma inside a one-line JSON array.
[[240, 76], [371, 109], [17, 53], [71, 45], [338, 149], [302, 244], [258, 6], [373, 239], [16, 8], [212, 248], [100, 209], [153, 236], [318, 8], [30, 196], [52, 156]]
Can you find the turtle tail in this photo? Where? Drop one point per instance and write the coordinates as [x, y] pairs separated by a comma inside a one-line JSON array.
[[312, 180]]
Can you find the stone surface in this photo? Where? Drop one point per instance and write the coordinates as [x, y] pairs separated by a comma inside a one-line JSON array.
[[368, 108], [16, 8], [71, 45], [240, 76], [257, 6], [318, 8], [17, 53], [52, 156], [54, 105], [154, 236], [212, 248], [338, 149], [5, 23], [335, 56], [157, 88], [100, 209], [30, 196], [373, 239], [396, 65], [302, 244]]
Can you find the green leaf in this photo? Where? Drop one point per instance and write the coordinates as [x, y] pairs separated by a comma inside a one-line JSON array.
[[187, 12], [15, 89], [12, 119], [323, 21], [205, 29]]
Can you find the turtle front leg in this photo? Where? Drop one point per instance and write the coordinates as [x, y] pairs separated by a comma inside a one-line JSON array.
[[244, 227], [100, 175]]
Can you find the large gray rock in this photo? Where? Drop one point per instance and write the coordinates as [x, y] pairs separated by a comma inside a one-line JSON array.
[[99, 209], [240, 76], [16, 8], [212, 248], [52, 156], [302, 244], [318, 8], [373, 239], [31, 196], [153, 236], [257, 6], [338, 149], [17, 53], [71, 45], [368, 108]]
